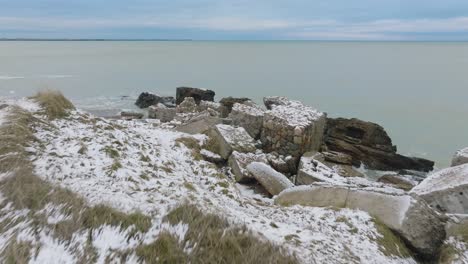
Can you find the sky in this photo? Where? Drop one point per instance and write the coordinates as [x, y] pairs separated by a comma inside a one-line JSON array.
[[411, 20]]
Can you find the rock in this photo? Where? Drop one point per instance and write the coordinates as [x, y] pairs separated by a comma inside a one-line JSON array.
[[446, 190], [187, 106], [131, 115], [408, 216], [238, 162], [228, 103], [146, 100], [397, 181], [211, 157], [368, 143], [312, 171], [283, 124], [280, 163], [197, 94], [248, 117], [460, 157], [210, 106], [3, 106], [273, 181], [231, 139], [161, 112], [340, 163], [200, 125], [271, 101]]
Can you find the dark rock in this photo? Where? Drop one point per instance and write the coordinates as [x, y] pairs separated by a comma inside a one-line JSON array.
[[197, 94], [131, 115], [228, 103], [368, 143], [146, 100], [397, 181], [2, 106]]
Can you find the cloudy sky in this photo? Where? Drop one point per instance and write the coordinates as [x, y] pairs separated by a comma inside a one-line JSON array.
[[236, 19]]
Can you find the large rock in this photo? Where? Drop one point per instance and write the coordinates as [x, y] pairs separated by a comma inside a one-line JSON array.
[[398, 181], [200, 124], [197, 94], [446, 190], [291, 128], [228, 102], [187, 106], [210, 106], [273, 181], [238, 162], [271, 101], [146, 100], [368, 143], [460, 157], [248, 117], [340, 163], [410, 217], [231, 139], [161, 112]]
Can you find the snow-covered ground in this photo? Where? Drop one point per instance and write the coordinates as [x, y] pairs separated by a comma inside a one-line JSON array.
[[140, 166]]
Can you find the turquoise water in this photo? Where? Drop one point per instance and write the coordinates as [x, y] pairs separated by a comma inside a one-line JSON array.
[[417, 91]]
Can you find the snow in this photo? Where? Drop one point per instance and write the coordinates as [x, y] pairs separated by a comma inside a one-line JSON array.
[[444, 179], [234, 135], [267, 176], [295, 113], [80, 154], [250, 110]]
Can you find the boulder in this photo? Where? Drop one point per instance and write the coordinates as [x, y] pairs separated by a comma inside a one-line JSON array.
[[131, 115], [340, 163], [460, 157], [228, 102], [312, 170], [231, 139], [282, 164], [368, 143], [187, 106], [161, 112], [408, 216], [248, 117], [273, 181], [197, 94], [2, 106], [271, 101], [292, 128], [446, 190], [398, 181], [210, 106], [238, 162], [211, 157], [200, 125], [146, 100]]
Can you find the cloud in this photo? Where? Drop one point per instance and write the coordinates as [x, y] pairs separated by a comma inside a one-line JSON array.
[[281, 28]]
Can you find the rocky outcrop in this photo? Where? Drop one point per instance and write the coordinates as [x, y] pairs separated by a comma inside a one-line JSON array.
[[408, 216], [146, 100], [400, 182], [446, 190], [368, 143], [273, 181], [161, 112], [248, 117], [460, 157], [229, 139], [292, 128], [238, 162], [228, 103], [197, 94]]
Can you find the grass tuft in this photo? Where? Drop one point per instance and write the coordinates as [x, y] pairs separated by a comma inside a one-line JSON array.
[[17, 252], [390, 244], [54, 103], [165, 249]]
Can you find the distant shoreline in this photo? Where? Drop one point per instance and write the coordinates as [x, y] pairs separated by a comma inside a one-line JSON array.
[[65, 39]]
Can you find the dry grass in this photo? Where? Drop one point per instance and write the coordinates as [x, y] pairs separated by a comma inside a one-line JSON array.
[[212, 240], [17, 252], [390, 244], [54, 103]]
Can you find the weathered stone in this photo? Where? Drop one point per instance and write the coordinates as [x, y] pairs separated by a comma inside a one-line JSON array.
[[248, 117], [397, 181], [196, 93], [460, 157], [228, 103], [337, 157], [200, 125], [285, 119], [211, 106], [146, 100], [273, 181], [279, 163], [238, 162], [408, 216], [187, 106], [161, 112], [231, 139], [2, 106], [131, 115], [446, 190], [211, 157], [368, 143], [271, 101]]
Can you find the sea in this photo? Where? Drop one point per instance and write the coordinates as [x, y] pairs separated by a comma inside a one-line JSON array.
[[418, 91]]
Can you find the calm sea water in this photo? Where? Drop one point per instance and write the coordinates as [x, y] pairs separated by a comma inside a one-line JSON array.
[[417, 91]]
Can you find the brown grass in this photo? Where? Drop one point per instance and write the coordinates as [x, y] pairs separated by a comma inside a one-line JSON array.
[[213, 240], [55, 105]]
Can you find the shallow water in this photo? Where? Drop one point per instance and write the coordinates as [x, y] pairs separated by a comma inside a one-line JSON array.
[[417, 91]]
